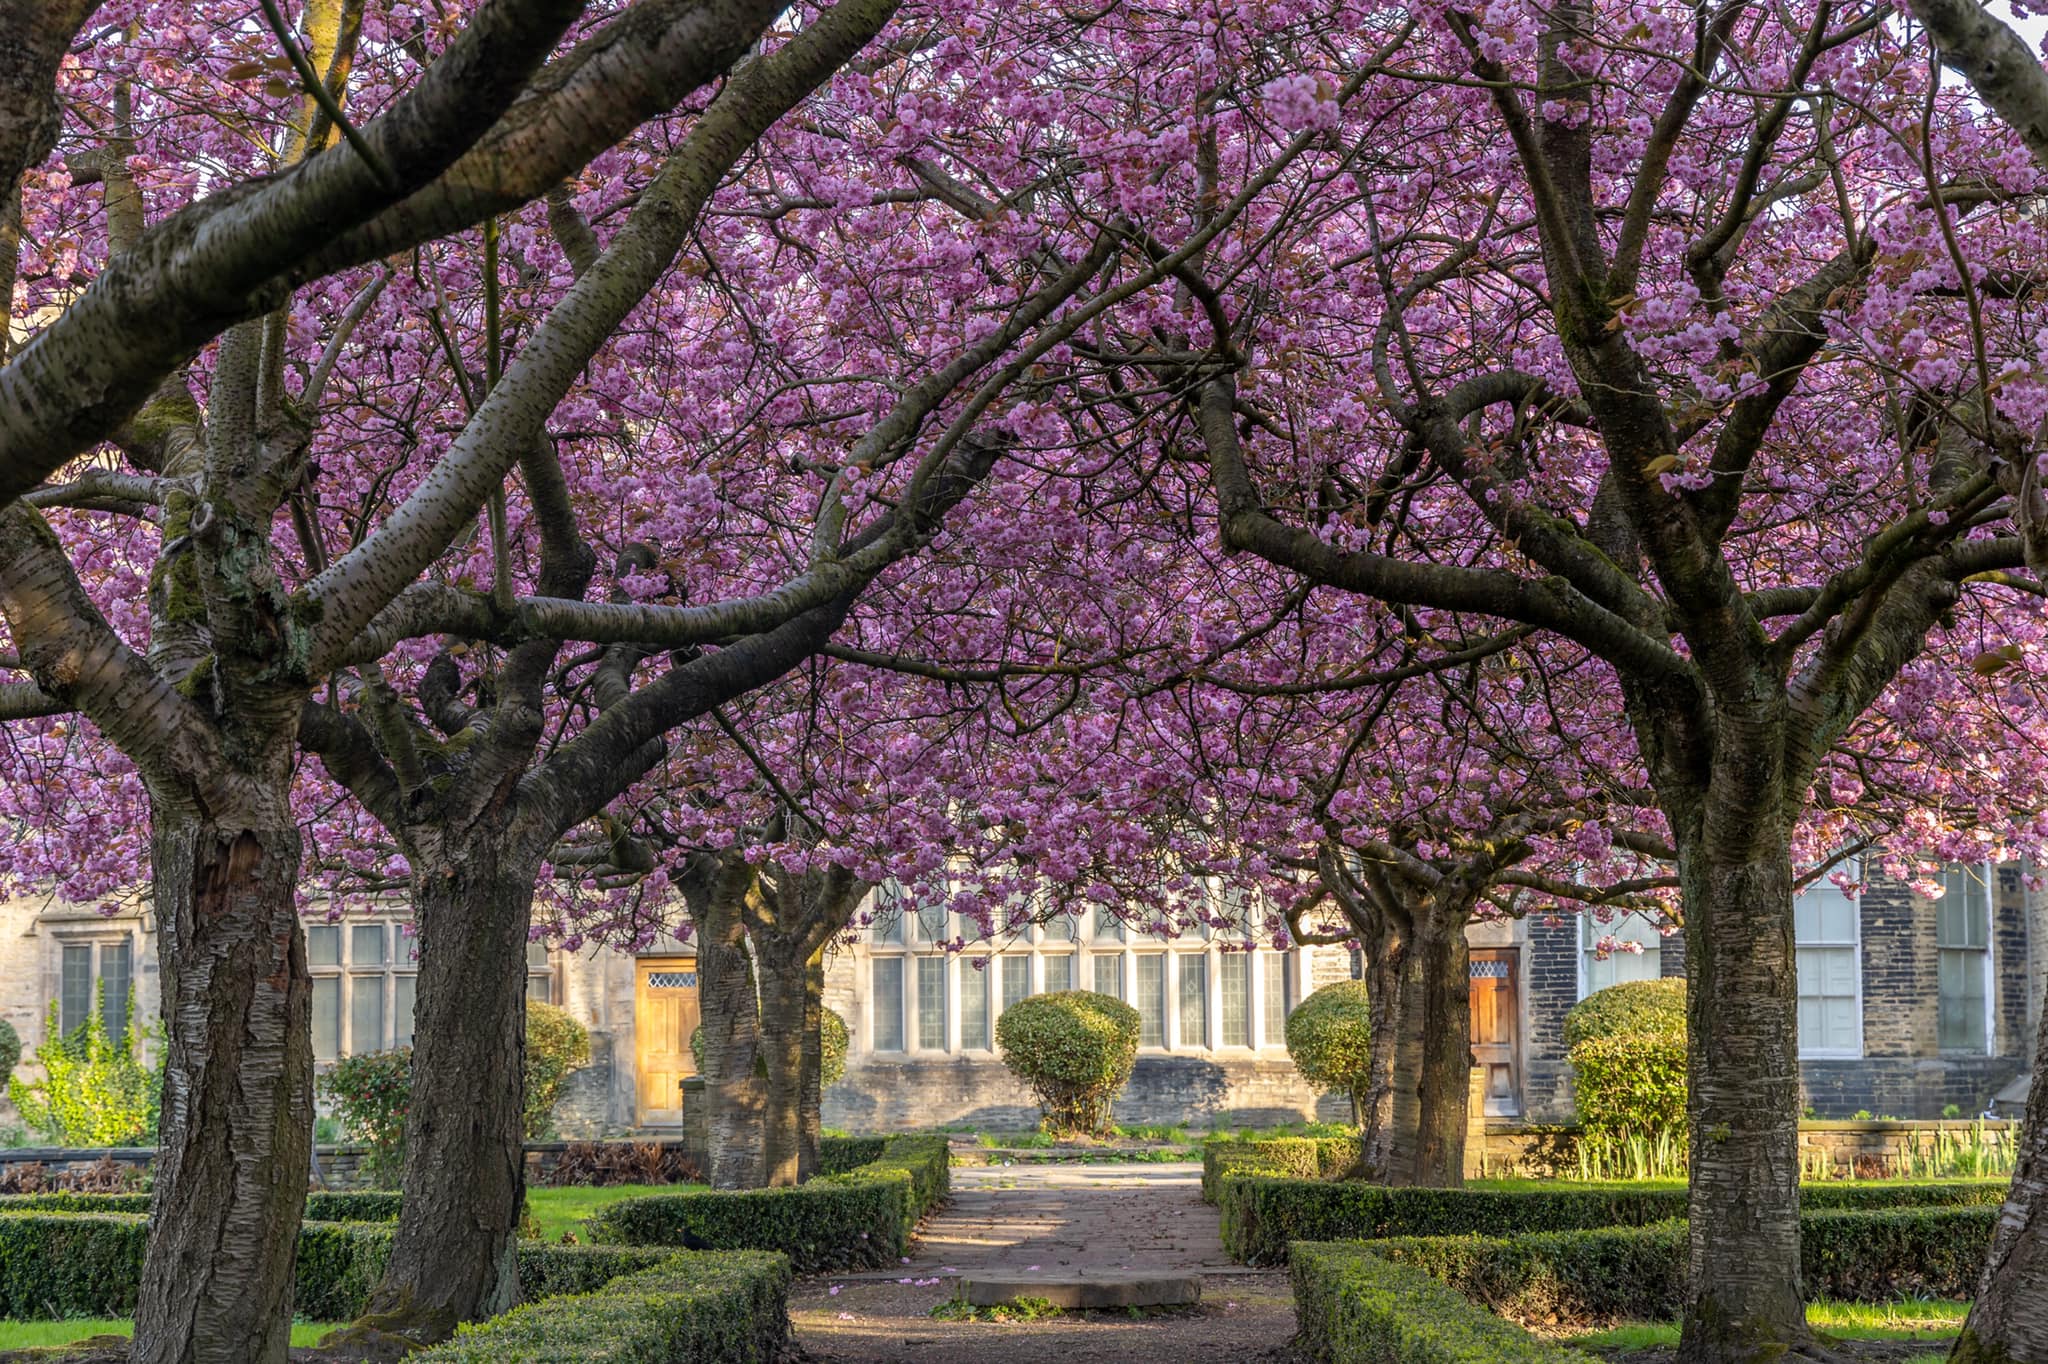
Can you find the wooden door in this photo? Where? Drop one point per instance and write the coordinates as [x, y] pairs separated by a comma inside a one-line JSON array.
[[664, 1016], [1496, 1018]]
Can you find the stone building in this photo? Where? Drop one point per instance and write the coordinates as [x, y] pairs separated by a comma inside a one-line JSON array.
[[1906, 1006]]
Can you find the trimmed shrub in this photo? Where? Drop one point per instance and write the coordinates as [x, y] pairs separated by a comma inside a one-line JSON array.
[[1277, 1157], [71, 1264], [1329, 1039], [1635, 1006], [555, 1045], [1353, 1306], [1609, 1274], [712, 1308], [1261, 1216], [96, 1089], [864, 1216], [320, 1207], [1075, 1048], [837, 1155], [1627, 1053]]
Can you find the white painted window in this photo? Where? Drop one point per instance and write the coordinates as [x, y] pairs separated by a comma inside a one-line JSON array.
[[1636, 951], [1192, 968], [1962, 936], [1827, 923]]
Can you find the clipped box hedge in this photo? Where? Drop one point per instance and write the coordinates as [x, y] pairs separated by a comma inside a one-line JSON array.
[[320, 1207], [1262, 1215], [57, 1264], [712, 1307], [1276, 1157], [1613, 1274], [1354, 1306], [864, 1216]]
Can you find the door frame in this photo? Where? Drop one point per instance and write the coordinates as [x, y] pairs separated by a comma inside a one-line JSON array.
[[644, 1115], [1511, 958]]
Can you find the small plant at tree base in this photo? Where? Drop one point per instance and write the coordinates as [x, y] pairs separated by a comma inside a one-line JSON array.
[[1075, 1048], [1020, 1309], [96, 1090], [1329, 1038]]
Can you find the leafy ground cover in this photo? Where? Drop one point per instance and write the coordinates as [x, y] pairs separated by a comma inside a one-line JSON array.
[[1932, 1321], [29, 1335], [559, 1210]]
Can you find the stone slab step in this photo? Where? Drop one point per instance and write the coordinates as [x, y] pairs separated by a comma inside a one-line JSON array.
[[1085, 1290]]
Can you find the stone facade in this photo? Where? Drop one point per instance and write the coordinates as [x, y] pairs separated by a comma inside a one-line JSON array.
[[1900, 1070]]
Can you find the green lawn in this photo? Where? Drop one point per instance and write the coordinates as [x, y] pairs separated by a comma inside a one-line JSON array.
[[564, 1209], [1933, 1320], [28, 1335]]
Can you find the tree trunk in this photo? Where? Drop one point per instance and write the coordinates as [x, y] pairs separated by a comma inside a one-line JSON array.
[[2009, 1319], [783, 1009], [1404, 1137], [810, 1114], [1443, 1083], [454, 1258], [238, 1093], [1375, 1101], [730, 1025], [1742, 1009]]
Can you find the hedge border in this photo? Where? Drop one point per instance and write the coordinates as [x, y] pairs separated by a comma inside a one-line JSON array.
[[82, 1264], [1261, 1215], [1279, 1157], [1354, 1306], [1603, 1275], [864, 1216], [321, 1206], [708, 1307]]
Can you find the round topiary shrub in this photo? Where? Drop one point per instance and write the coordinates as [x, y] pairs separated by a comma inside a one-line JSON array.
[[1627, 1052], [1075, 1048], [1329, 1038], [1634, 1006]]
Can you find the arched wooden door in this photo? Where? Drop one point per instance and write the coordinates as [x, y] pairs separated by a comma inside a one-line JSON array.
[[664, 1015]]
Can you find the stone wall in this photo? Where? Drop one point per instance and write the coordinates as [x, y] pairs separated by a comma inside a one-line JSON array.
[[884, 1095]]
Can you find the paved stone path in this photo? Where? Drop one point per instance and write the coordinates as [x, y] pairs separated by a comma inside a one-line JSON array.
[[1054, 1220]]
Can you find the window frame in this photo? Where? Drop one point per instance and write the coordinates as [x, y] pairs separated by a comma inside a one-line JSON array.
[[95, 940], [1988, 874], [400, 959], [1855, 948], [1584, 951]]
